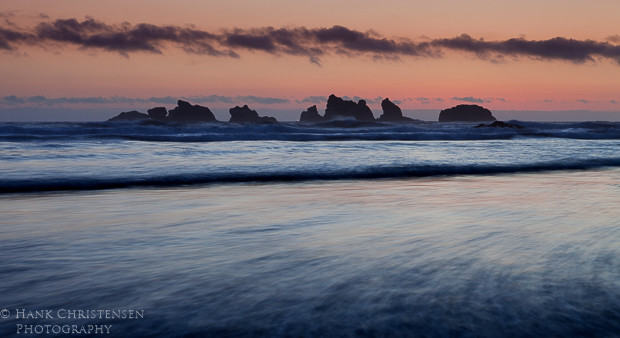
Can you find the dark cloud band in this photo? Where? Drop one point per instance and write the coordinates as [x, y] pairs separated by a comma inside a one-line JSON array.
[[552, 49], [309, 42]]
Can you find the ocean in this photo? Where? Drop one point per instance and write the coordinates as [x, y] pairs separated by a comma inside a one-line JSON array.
[[338, 229]]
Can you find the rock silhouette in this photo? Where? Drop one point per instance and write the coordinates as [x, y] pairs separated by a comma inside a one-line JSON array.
[[158, 113], [336, 109], [466, 113], [311, 115], [246, 115], [186, 112], [391, 112], [133, 115], [339, 108], [500, 124]]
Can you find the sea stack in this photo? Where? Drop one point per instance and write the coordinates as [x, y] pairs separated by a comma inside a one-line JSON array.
[[339, 108], [246, 115], [157, 113], [183, 112], [133, 115], [466, 113], [311, 115], [391, 112], [186, 112]]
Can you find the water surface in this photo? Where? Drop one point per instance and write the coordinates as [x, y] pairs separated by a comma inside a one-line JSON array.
[[533, 254]]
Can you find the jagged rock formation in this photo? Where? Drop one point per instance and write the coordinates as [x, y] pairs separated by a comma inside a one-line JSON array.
[[364, 112], [133, 115], [392, 112], [186, 112], [311, 115], [467, 113], [158, 113], [246, 115], [500, 124], [243, 114], [337, 107]]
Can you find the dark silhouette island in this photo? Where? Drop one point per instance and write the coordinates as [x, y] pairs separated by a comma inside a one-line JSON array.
[[337, 108], [466, 113], [183, 112], [189, 113], [158, 113], [186, 112], [392, 112], [311, 115], [246, 115], [133, 115]]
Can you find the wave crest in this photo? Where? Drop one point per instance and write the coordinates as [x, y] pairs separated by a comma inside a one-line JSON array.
[[379, 172]]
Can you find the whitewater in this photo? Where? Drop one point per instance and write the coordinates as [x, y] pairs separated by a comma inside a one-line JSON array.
[[68, 156], [340, 228]]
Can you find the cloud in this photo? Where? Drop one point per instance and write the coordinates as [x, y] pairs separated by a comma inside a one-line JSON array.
[[427, 100], [41, 100], [614, 38], [126, 38], [478, 99], [355, 41], [9, 38], [7, 14], [583, 101], [558, 48], [237, 99], [313, 99], [263, 100], [613, 101], [12, 99], [251, 42], [313, 43], [163, 100], [469, 99]]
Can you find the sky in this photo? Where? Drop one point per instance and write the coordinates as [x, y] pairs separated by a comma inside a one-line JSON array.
[[529, 60]]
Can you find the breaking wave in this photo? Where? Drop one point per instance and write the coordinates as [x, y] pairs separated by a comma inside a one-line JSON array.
[[292, 131], [383, 172]]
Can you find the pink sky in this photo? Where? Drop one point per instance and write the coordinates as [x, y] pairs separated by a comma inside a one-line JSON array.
[[581, 72]]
